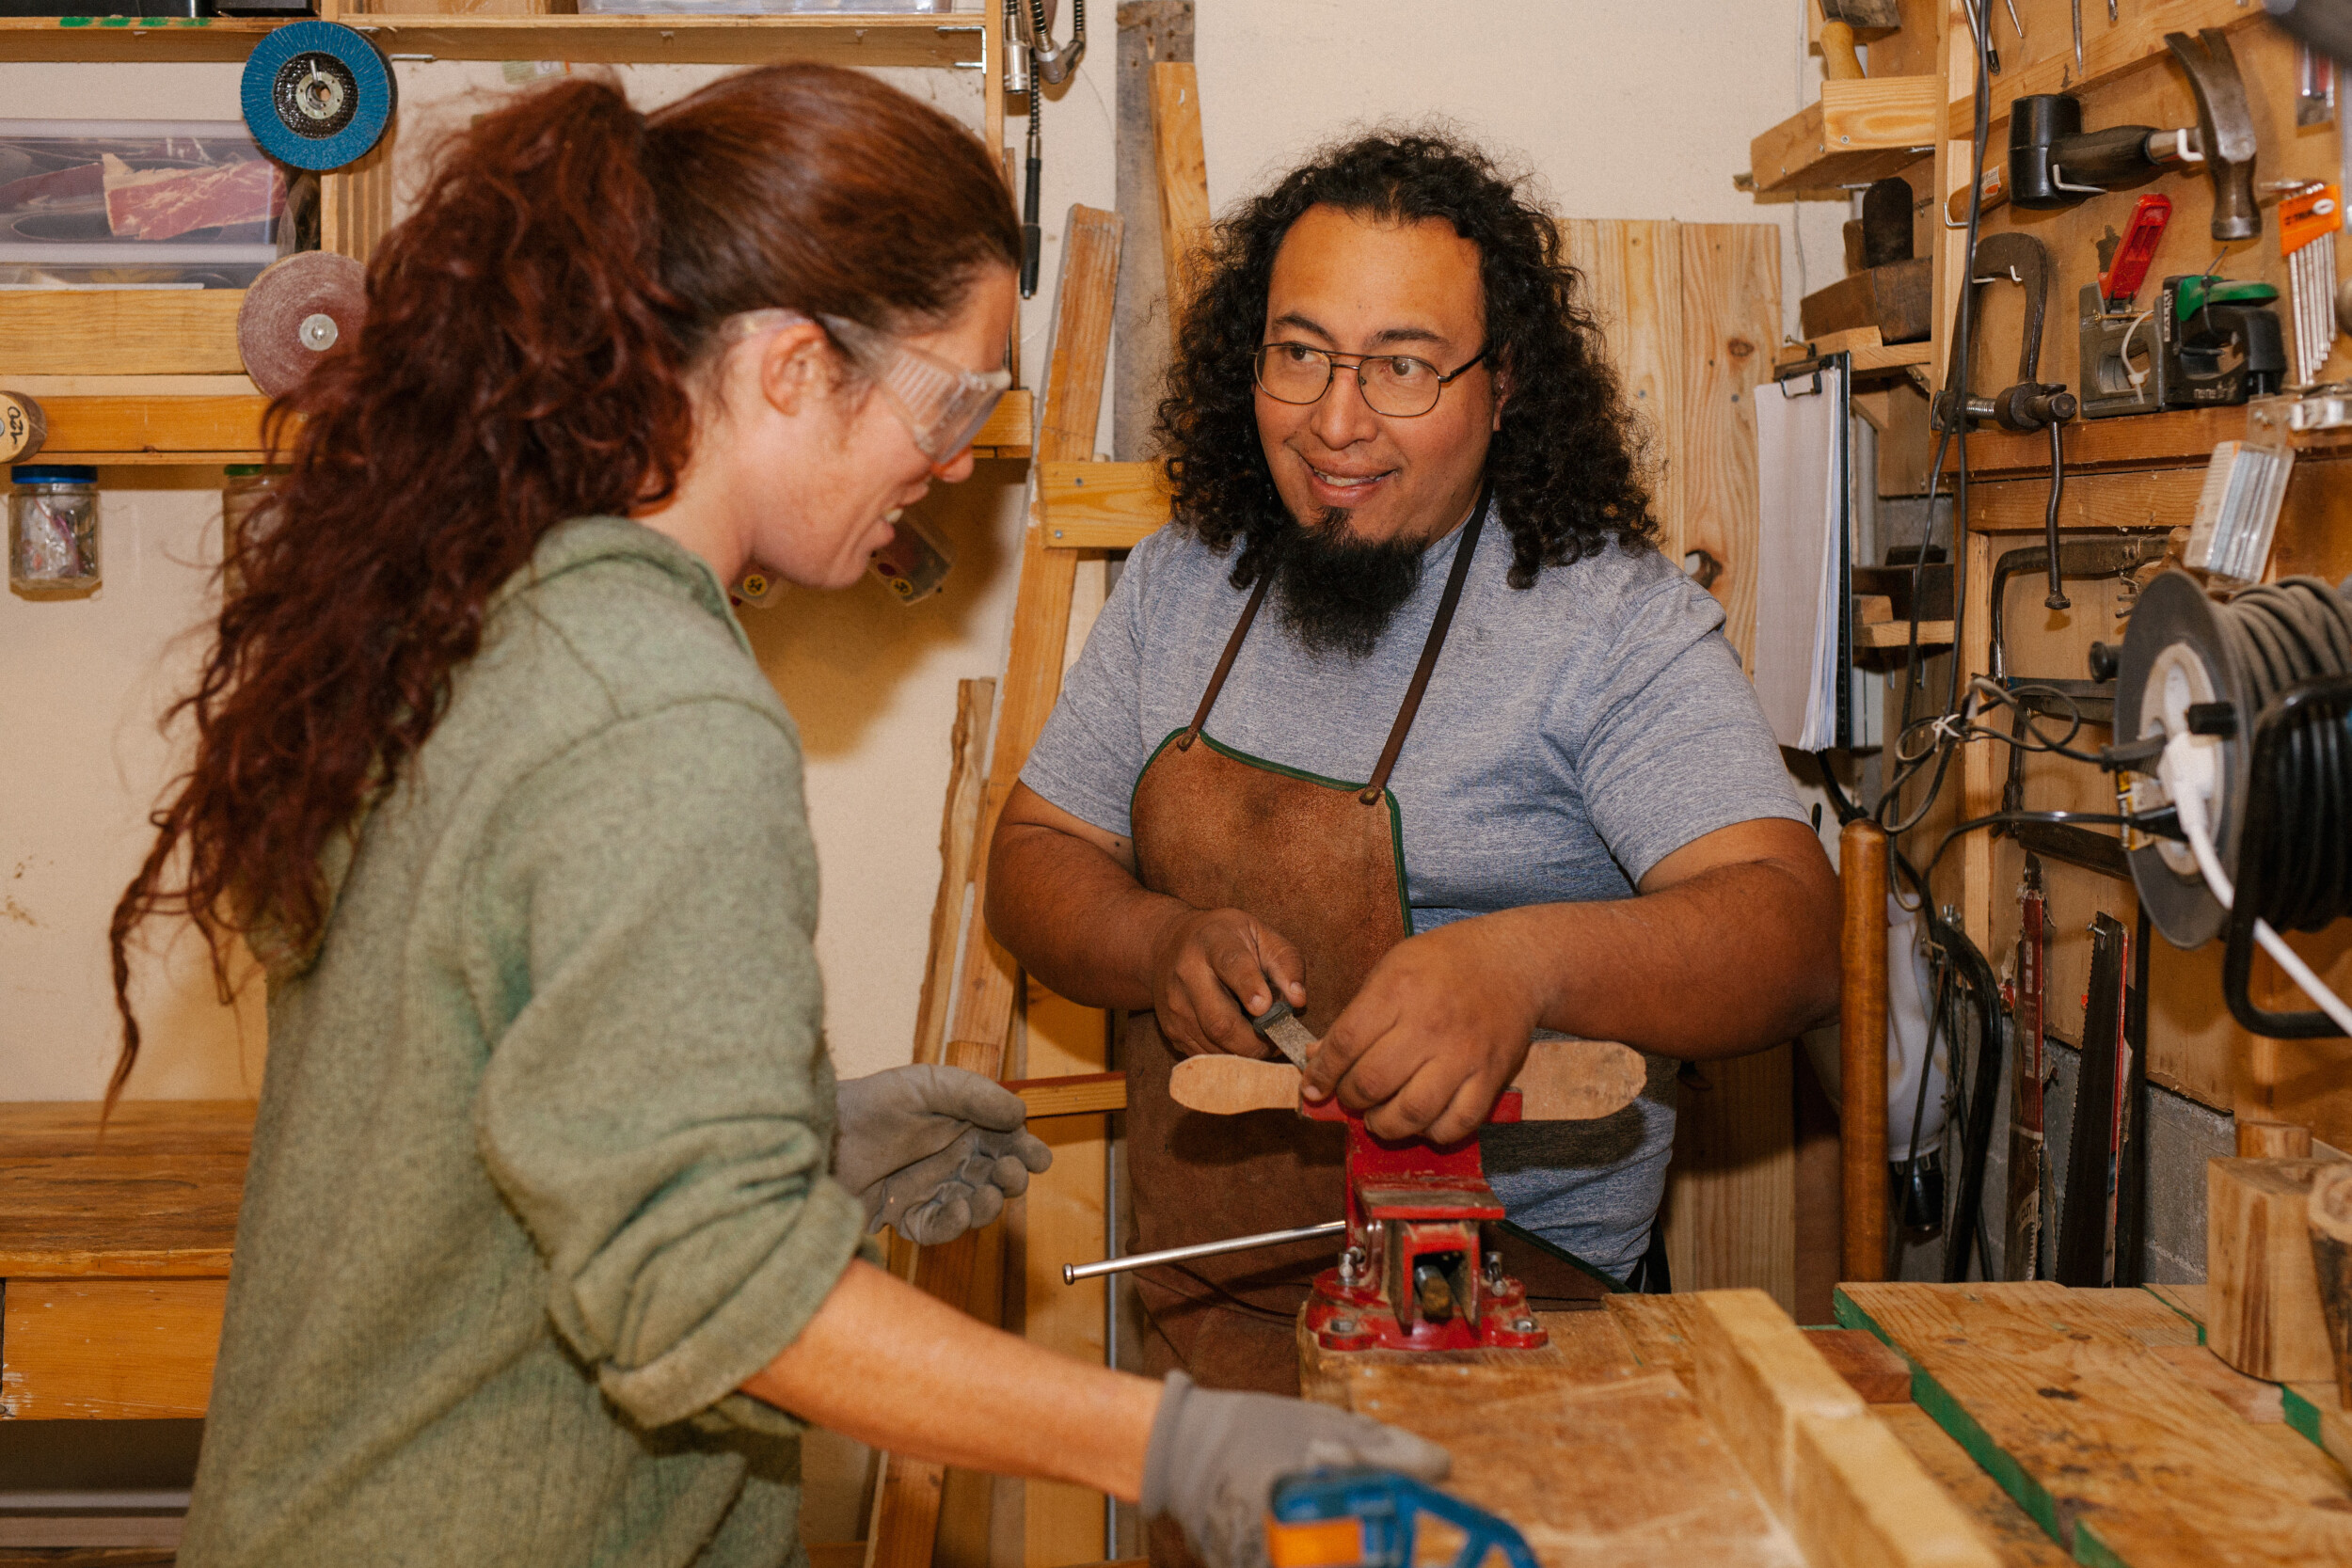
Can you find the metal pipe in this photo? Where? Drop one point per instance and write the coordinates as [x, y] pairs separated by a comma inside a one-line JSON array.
[[1073, 1273]]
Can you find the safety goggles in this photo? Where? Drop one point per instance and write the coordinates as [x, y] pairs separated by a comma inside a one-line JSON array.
[[943, 405]]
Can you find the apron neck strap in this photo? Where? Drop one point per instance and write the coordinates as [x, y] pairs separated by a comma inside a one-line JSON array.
[[1397, 732], [1225, 661], [1462, 553]]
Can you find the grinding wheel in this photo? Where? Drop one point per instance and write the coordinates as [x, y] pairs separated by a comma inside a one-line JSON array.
[[316, 94], [296, 310]]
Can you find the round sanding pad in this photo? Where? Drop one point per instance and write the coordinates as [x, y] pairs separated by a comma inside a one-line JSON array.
[[296, 310], [316, 94]]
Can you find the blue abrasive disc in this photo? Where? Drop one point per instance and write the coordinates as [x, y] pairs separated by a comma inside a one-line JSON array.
[[316, 95]]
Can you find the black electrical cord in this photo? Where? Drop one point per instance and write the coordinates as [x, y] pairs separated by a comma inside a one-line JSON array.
[[1890, 798], [2292, 639]]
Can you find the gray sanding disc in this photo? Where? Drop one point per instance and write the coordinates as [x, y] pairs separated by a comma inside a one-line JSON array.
[[295, 312]]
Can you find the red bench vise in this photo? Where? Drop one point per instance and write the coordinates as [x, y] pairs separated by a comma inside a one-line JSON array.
[[1415, 1273]]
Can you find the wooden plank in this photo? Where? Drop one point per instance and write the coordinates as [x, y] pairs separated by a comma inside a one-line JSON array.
[[1861, 1500], [1597, 1461], [177, 425], [1184, 176], [1632, 271], [959, 850], [125, 332], [2265, 1317], [1857, 132], [2168, 440], [1869, 1368], [2015, 1538], [1009, 430], [158, 1197], [1730, 1206], [1730, 315], [108, 1350], [2152, 499], [1756, 1376], [1061, 1221], [2044, 60], [2113, 1452], [1100, 506], [1076, 1095], [1896, 633]]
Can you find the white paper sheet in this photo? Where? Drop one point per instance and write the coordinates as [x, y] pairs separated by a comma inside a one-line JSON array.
[[1798, 591]]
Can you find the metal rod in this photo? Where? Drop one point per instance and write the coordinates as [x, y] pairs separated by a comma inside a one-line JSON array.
[[1073, 1273]]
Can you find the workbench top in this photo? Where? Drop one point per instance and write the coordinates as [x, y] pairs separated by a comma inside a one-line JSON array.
[[155, 1197]]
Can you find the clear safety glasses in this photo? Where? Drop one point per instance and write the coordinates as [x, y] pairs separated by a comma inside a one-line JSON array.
[[943, 405]]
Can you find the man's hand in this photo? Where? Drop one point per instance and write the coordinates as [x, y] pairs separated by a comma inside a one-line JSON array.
[[1439, 1030], [933, 1151], [1202, 960]]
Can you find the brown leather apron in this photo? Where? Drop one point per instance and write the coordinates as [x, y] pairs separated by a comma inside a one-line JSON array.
[[1321, 861]]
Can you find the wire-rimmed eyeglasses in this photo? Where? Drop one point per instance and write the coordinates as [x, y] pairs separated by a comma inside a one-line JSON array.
[[1397, 385]]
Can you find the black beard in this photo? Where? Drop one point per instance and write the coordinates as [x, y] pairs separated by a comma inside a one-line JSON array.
[[1337, 594]]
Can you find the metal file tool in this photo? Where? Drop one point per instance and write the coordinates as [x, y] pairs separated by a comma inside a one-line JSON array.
[[1282, 1025]]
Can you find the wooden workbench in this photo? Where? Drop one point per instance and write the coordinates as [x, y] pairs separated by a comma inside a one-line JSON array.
[[114, 1255], [2085, 1426]]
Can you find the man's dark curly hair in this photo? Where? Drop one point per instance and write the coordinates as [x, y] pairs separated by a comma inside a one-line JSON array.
[[1567, 465]]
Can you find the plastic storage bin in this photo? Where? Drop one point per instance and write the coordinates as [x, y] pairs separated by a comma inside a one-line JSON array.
[[140, 204]]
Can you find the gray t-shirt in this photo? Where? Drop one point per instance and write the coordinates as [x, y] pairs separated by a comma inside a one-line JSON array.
[[1574, 734]]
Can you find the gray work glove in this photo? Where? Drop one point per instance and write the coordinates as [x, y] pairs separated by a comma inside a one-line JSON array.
[[1215, 1457], [933, 1151]]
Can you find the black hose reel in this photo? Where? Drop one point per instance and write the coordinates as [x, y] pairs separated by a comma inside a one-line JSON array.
[[2261, 684]]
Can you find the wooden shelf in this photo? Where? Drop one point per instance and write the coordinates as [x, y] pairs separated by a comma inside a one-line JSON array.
[[1897, 635], [936, 40], [1857, 131], [2180, 438], [147, 430], [1869, 355]]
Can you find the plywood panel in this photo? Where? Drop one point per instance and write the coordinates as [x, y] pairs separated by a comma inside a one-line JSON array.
[[1730, 1206], [111, 1350], [2113, 1451], [1633, 281]]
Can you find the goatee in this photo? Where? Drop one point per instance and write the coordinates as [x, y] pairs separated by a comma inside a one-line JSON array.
[[1338, 594]]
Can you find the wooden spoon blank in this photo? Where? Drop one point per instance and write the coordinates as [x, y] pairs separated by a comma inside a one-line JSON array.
[[1560, 1081]]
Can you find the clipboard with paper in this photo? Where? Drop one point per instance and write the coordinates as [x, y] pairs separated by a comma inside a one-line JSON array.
[[1805, 632]]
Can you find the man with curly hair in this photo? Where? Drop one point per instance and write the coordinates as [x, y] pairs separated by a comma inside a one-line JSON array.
[[1487, 769]]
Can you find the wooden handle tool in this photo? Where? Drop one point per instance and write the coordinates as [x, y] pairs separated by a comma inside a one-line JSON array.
[[1560, 1081]]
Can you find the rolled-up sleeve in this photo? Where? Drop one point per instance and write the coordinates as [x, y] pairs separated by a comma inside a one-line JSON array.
[[660, 1108]]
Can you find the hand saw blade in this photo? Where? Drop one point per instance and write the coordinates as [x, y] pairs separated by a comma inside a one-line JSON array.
[[1281, 1025]]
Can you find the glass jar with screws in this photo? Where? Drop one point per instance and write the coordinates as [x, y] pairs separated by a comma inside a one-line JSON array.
[[53, 530], [245, 488]]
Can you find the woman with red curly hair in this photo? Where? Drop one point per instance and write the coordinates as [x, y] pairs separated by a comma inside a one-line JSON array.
[[549, 1239]]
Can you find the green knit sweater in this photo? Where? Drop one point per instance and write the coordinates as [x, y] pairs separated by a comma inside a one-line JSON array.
[[540, 1173]]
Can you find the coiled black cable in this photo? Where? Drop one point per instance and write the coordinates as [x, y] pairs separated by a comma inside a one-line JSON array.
[[2292, 639]]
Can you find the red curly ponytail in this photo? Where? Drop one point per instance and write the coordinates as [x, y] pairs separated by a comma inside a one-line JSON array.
[[529, 332]]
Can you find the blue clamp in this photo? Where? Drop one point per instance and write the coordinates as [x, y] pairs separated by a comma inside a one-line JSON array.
[[1368, 1518], [316, 94]]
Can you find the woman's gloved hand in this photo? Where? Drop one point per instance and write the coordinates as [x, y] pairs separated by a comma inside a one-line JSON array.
[[933, 1151], [1215, 1457]]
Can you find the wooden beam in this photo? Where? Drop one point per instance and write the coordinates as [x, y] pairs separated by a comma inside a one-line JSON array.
[[1756, 1372], [2266, 1318], [1184, 172], [124, 332], [108, 1350], [1080, 1094], [958, 848], [1100, 506]]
